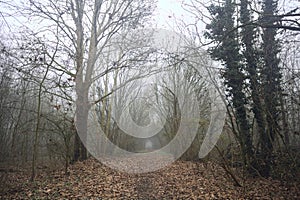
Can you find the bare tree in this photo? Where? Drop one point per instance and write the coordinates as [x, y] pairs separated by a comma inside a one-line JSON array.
[[86, 28]]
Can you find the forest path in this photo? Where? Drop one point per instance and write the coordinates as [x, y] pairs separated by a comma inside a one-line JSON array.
[[181, 180]]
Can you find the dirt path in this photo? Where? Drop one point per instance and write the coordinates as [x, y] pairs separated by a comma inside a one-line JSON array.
[[182, 180]]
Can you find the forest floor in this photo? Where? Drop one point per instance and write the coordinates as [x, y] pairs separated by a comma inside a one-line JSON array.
[[181, 180]]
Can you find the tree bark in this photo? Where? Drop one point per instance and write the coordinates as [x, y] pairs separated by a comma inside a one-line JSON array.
[[36, 137]]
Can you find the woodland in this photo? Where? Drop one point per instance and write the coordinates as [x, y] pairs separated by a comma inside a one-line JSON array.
[[97, 101]]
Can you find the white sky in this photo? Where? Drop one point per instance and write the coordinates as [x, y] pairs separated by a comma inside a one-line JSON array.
[[165, 15], [167, 9]]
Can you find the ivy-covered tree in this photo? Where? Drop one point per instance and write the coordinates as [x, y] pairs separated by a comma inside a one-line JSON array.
[[271, 81], [222, 30], [250, 73], [252, 61]]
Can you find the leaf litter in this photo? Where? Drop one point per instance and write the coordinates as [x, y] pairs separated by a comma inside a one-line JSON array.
[[91, 179]]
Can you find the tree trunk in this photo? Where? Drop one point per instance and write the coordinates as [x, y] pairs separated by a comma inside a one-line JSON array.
[[251, 55], [82, 110], [271, 81], [36, 137]]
